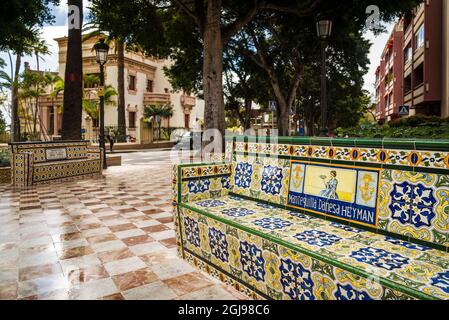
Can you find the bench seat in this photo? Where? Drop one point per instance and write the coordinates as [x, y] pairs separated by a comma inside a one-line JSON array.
[[42, 161], [419, 271]]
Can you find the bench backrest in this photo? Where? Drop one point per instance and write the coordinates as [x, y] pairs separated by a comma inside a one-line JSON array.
[[400, 187], [53, 151]]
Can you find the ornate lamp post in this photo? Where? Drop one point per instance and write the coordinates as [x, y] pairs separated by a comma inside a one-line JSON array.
[[324, 30], [102, 50]]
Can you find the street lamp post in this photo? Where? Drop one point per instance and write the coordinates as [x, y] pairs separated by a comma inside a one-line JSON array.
[[102, 50], [324, 29]]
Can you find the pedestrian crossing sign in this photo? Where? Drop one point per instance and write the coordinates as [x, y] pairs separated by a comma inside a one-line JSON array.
[[404, 110]]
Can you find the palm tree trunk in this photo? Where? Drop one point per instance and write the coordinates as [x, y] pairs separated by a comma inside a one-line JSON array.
[[121, 90], [73, 90], [15, 123], [36, 110]]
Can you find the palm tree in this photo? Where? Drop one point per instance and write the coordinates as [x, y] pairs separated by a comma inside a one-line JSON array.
[[157, 112], [30, 90], [95, 31], [73, 90], [90, 102]]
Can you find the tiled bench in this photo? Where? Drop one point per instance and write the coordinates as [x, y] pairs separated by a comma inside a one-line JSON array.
[[244, 222], [40, 162]]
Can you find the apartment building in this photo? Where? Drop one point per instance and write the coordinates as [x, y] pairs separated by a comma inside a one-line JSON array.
[[414, 59], [445, 102], [389, 79], [145, 84]]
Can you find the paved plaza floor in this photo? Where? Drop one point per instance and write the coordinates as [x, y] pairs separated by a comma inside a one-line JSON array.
[[99, 238]]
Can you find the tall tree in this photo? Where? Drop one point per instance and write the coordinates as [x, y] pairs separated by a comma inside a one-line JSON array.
[[73, 90], [216, 22], [94, 30], [121, 117], [19, 20], [122, 22]]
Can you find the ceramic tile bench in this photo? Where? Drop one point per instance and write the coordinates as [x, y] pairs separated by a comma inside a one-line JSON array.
[[324, 219], [40, 162]]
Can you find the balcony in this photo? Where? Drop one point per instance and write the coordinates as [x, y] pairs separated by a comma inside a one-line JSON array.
[[188, 101], [46, 100], [91, 94], [156, 98]]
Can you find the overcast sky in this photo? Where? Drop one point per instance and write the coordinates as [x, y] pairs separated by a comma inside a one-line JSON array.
[[59, 29]]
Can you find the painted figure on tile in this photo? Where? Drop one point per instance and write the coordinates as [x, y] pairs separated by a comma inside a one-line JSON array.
[[297, 178], [366, 190], [331, 186]]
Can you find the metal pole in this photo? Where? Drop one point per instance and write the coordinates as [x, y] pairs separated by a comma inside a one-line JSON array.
[[324, 129], [102, 137]]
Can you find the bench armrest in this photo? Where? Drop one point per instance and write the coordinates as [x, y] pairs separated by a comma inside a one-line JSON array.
[[194, 182]]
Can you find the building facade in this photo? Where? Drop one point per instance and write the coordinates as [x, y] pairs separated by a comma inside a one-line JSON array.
[[389, 80], [145, 84], [411, 72], [445, 102]]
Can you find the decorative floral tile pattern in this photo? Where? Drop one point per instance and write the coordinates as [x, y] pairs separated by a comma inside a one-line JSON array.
[[415, 204], [267, 269], [243, 175], [272, 223], [218, 244], [264, 178], [252, 261], [412, 158], [386, 257], [317, 238], [81, 160]]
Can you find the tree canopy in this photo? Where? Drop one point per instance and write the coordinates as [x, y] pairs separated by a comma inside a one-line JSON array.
[[20, 20], [265, 49]]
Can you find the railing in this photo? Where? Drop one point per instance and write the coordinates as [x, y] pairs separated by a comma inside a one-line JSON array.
[[93, 134]]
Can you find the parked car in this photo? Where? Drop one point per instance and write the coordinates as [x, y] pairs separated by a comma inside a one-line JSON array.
[[177, 135], [190, 141]]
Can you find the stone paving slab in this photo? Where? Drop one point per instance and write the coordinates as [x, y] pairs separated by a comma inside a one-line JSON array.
[[100, 238]]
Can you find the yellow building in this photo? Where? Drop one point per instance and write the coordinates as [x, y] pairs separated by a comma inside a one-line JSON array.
[[145, 84]]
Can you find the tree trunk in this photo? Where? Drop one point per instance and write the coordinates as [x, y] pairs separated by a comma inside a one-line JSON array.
[[121, 91], [282, 120], [73, 88], [247, 121], [37, 109], [213, 69], [15, 123]]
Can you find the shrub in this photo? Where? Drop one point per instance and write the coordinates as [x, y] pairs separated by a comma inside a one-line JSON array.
[[5, 157], [416, 127]]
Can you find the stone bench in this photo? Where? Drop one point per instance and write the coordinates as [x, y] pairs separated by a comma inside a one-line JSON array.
[[324, 219], [40, 162]]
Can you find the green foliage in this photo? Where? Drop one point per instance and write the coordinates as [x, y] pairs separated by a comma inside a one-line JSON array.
[[163, 111], [20, 21], [5, 157], [153, 112], [418, 127], [177, 32], [2, 123]]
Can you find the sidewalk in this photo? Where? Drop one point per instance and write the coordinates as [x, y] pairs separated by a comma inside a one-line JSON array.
[[100, 238], [136, 146]]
